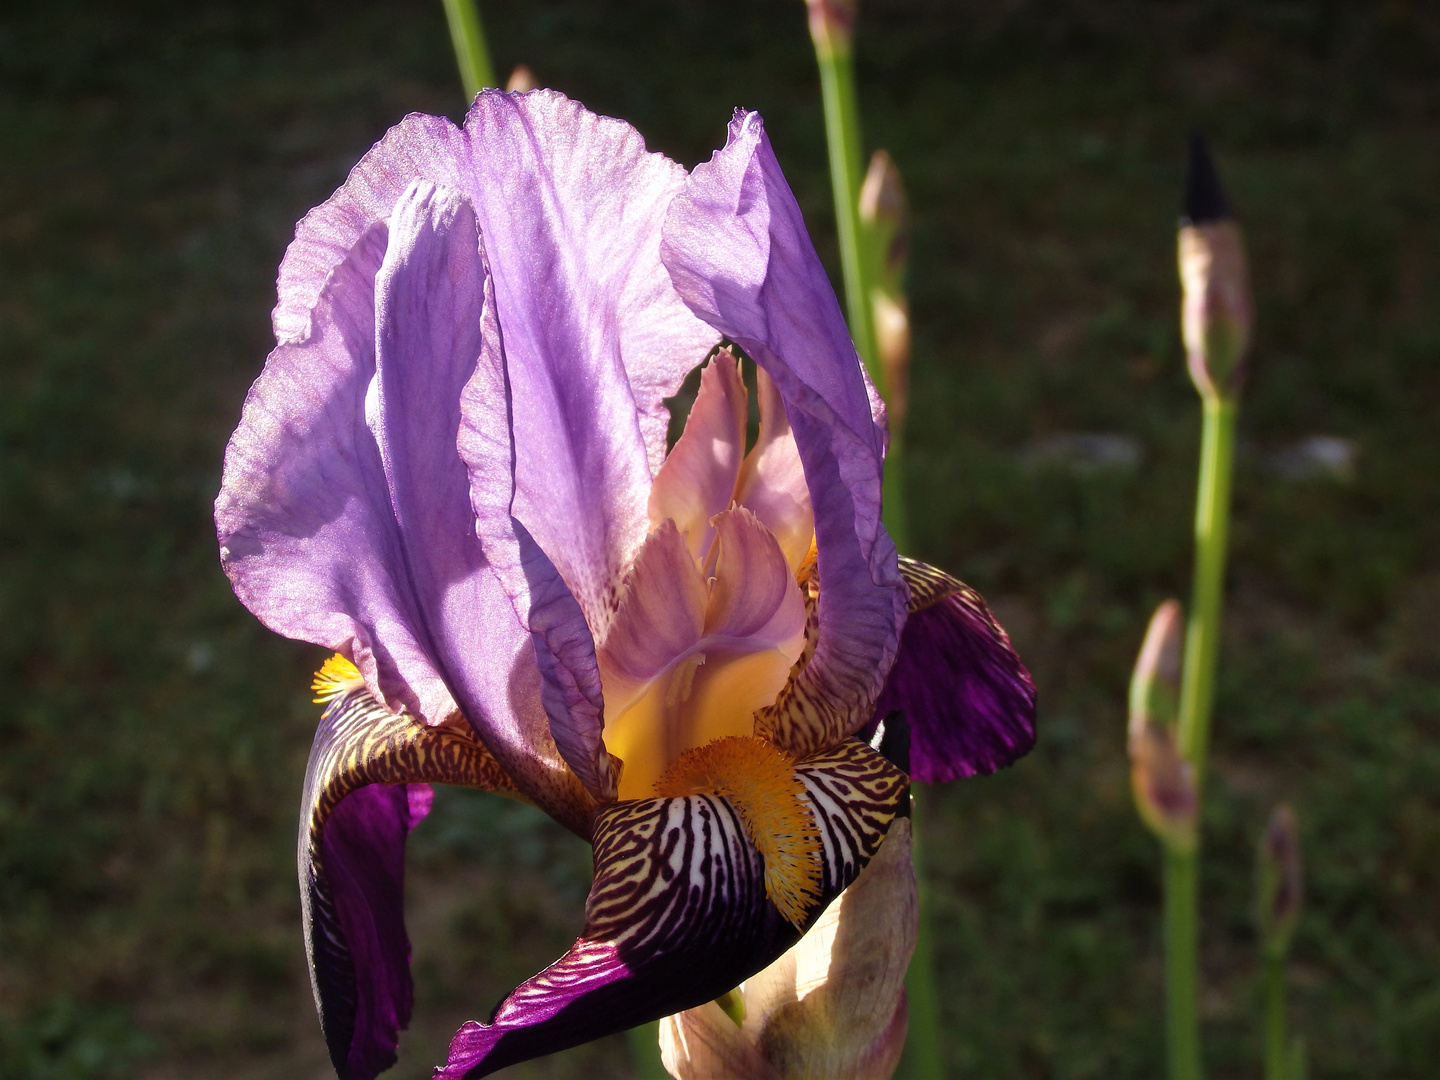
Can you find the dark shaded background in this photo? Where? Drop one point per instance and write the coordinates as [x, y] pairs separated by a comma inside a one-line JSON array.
[[153, 159]]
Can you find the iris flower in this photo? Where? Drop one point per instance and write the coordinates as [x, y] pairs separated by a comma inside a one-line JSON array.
[[453, 471]]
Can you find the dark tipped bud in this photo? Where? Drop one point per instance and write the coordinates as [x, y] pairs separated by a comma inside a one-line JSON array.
[[521, 80], [1216, 312], [1280, 879], [1162, 780], [832, 24], [885, 216], [1205, 201]]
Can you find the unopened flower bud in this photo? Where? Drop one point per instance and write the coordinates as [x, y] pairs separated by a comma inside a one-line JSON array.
[[885, 216], [1216, 310], [522, 79], [832, 24], [1162, 780], [1280, 879]]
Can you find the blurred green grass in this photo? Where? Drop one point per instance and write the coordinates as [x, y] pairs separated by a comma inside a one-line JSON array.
[[155, 156]]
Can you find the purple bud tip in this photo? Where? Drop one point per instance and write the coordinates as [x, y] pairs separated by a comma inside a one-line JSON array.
[[1205, 200]]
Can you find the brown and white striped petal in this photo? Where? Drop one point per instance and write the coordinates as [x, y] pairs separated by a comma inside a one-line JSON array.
[[678, 912]]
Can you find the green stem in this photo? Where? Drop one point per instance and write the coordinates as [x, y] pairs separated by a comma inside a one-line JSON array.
[[1202, 632], [645, 1052], [842, 135], [1182, 1013], [923, 1046], [1197, 695], [1277, 1047], [471, 54]]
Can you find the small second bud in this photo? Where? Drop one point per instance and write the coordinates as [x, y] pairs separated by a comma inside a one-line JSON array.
[[1162, 780]]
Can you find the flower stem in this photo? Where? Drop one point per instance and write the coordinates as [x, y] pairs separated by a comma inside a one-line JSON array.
[[1212, 533], [645, 1052], [1182, 1016], [1277, 1047], [471, 54], [1197, 694], [923, 1046], [836, 59]]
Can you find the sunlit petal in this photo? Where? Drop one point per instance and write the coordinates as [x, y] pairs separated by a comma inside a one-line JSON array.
[[772, 479], [697, 480]]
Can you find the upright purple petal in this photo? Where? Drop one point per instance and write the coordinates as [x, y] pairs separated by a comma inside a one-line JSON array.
[[571, 206], [431, 297], [306, 530], [967, 698], [330, 461], [418, 147], [736, 247]]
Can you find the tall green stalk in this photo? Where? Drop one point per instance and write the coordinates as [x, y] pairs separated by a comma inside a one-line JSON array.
[[468, 36], [836, 59], [830, 28], [1197, 691], [1277, 1045], [1215, 322], [1197, 694], [1212, 534], [924, 1050]]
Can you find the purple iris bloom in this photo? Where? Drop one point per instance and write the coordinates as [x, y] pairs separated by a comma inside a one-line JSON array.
[[453, 471]]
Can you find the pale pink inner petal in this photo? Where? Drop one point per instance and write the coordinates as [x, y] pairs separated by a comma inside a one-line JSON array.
[[661, 617], [687, 660], [697, 480], [753, 595], [772, 480]]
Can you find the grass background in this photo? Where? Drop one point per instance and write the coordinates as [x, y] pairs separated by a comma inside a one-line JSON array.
[[153, 159]]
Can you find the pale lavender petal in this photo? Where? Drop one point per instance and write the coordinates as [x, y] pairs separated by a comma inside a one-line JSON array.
[[435, 322], [564, 650], [595, 164], [677, 914], [966, 696], [307, 534], [571, 206], [736, 246], [697, 480], [418, 147]]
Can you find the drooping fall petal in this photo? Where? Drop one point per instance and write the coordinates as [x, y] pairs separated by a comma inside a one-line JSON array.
[[366, 786], [831, 1006], [678, 914], [966, 696]]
